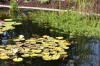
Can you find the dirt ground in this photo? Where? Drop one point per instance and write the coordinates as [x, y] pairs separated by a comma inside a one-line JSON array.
[[50, 4]]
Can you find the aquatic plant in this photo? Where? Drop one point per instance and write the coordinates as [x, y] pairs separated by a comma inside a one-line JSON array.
[[25, 55], [7, 25], [18, 59], [69, 22], [4, 57], [46, 47]]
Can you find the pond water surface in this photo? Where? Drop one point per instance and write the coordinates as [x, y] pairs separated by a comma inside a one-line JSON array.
[[84, 53]]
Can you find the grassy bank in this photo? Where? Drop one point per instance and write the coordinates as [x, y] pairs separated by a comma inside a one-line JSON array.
[[69, 22]]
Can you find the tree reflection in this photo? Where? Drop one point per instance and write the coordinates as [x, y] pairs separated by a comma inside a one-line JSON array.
[[86, 51]]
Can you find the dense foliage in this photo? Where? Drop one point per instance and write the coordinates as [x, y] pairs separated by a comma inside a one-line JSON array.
[[69, 22], [14, 11]]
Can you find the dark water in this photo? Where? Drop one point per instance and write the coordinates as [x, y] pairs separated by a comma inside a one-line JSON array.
[[84, 53], [87, 53]]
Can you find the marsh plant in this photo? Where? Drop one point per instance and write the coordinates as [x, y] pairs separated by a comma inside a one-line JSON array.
[[69, 22], [84, 5]]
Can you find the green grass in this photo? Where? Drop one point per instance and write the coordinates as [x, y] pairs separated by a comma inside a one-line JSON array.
[[69, 22]]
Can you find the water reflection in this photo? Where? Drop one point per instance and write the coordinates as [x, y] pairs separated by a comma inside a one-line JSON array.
[[84, 53], [87, 52]]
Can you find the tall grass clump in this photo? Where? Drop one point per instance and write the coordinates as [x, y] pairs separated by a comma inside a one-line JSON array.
[[84, 5], [4, 14]]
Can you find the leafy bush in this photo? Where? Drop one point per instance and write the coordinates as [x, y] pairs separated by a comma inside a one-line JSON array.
[[14, 11]]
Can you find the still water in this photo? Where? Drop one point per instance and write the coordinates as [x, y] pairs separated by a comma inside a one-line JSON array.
[[84, 52], [87, 52]]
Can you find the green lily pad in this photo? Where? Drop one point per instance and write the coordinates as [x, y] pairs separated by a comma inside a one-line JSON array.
[[7, 20]]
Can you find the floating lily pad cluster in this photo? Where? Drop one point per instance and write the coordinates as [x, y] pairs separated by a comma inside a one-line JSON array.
[[46, 47], [7, 24]]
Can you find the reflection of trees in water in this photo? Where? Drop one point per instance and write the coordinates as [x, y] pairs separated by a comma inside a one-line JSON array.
[[85, 51]]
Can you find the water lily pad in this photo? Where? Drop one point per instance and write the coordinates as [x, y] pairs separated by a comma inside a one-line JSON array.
[[59, 37], [5, 29], [18, 23], [18, 59], [7, 20], [4, 57], [33, 55], [47, 48], [55, 57], [46, 57], [67, 43], [25, 55]]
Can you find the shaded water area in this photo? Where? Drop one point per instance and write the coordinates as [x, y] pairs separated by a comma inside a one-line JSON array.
[[83, 51]]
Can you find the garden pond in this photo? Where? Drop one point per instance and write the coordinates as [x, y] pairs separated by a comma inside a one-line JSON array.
[[83, 52]]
